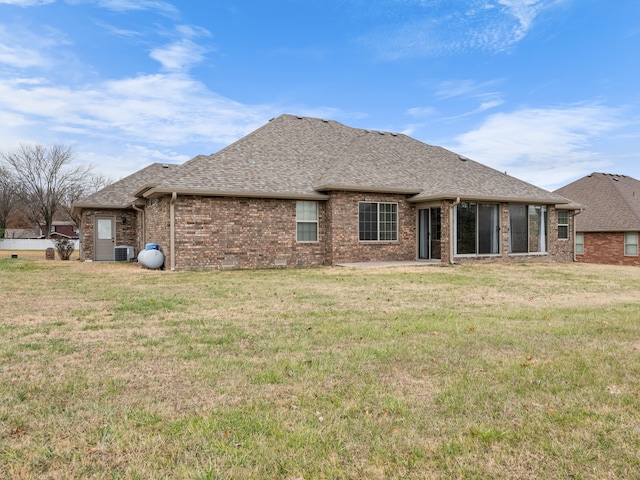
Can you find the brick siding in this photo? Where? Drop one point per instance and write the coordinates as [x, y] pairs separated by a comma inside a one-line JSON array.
[[231, 232], [606, 248], [223, 232], [126, 229], [344, 244]]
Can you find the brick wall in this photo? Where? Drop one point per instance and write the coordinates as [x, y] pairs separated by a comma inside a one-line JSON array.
[[561, 250], [157, 225], [225, 232], [606, 248], [343, 244], [126, 225]]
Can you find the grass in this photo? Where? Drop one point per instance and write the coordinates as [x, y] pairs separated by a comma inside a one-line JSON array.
[[489, 371]]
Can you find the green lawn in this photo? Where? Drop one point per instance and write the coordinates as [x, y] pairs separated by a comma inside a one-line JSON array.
[[523, 371]]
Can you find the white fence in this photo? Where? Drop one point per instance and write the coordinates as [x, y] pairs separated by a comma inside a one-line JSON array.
[[24, 244]]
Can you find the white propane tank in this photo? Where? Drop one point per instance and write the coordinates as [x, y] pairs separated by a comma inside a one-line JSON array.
[[141, 257], [152, 259]]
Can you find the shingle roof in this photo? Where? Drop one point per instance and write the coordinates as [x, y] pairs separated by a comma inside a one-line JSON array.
[[612, 202], [302, 157], [120, 194]]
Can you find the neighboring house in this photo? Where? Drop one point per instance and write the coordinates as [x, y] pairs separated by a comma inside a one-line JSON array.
[[60, 229], [608, 228], [305, 191]]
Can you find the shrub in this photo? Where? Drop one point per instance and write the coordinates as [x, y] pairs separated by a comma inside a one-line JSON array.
[[64, 247]]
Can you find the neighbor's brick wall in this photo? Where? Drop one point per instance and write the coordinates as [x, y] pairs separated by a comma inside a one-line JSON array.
[[229, 232], [344, 245], [606, 248], [126, 233]]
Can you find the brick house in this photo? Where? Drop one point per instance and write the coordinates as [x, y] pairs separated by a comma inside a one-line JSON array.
[[306, 191], [608, 228]]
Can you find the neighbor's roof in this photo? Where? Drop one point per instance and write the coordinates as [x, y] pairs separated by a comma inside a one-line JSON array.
[[120, 194], [612, 202], [302, 157]]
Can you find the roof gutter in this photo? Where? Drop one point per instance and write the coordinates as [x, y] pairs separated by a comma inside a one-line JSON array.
[[158, 192], [172, 229], [488, 198]]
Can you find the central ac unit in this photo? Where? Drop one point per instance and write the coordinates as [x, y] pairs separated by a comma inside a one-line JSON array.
[[123, 253]]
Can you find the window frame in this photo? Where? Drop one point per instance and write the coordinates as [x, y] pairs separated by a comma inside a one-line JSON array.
[[633, 244], [542, 240], [564, 225], [301, 220], [478, 210], [379, 222], [579, 243]]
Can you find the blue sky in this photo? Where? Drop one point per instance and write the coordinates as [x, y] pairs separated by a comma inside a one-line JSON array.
[[546, 90]]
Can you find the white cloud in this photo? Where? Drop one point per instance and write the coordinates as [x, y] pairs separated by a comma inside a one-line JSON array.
[[182, 53], [421, 112], [546, 147], [468, 25], [179, 55], [160, 114], [157, 109], [22, 48], [127, 5], [468, 88], [26, 3]]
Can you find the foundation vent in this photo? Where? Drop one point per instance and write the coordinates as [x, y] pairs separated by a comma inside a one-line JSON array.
[[229, 262]]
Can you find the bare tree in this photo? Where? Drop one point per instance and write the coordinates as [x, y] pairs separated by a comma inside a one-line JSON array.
[[8, 196], [46, 179], [91, 184]]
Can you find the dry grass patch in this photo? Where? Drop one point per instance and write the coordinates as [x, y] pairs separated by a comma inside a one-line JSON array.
[[490, 371]]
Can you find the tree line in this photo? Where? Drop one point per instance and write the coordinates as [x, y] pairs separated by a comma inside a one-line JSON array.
[[42, 182]]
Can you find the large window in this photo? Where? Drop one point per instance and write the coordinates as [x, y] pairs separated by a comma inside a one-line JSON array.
[[631, 244], [477, 228], [377, 222], [307, 221], [527, 228], [563, 224]]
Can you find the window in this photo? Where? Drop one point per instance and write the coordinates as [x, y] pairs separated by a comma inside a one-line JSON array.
[[631, 244], [377, 222], [579, 243], [527, 229], [563, 224], [307, 221], [477, 228]]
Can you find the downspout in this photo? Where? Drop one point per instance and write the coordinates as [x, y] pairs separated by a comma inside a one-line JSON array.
[[172, 229], [144, 231], [451, 231]]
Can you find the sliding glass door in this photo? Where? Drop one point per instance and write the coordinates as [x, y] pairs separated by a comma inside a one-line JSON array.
[[429, 231]]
